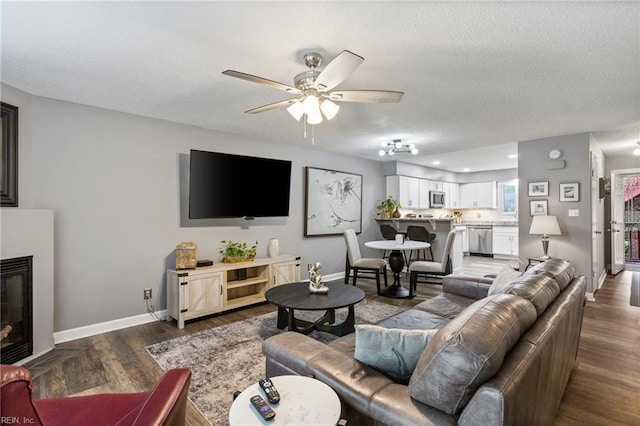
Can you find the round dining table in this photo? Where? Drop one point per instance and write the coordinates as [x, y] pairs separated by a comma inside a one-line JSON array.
[[396, 263]]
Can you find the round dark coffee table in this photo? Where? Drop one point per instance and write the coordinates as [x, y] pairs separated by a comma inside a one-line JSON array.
[[291, 297]]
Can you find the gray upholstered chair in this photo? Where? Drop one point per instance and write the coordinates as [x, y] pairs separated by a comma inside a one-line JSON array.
[[420, 233], [356, 263], [433, 271]]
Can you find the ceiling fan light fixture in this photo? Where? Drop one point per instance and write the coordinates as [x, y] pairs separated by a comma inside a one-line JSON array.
[[382, 152], [637, 150], [329, 109], [414, 151], [397, 147], [314, 118], [296, 110], [310, 105]]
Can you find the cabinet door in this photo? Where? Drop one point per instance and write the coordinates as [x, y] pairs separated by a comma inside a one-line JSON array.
[[467, 195], [451, 194], [501, 243], [285, 273], [423, 189], [435, 185], [486, 195], [409, 192], [202, 294]]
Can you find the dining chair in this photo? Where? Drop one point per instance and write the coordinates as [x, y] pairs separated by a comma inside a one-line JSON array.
[[420, 233], [433, 271], [357, 263], [388, 233]]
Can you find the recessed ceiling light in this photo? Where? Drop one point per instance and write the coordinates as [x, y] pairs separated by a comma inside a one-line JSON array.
[[435, 163], [466, 169], [512, 156]]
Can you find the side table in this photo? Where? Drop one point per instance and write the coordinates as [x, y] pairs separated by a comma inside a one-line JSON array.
[[303, 400], [534, 260]]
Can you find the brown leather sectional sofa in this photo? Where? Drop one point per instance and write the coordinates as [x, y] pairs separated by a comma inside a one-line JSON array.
[[503, 359]]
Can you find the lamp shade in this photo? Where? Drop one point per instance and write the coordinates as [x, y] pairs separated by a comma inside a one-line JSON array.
[[545, 225]]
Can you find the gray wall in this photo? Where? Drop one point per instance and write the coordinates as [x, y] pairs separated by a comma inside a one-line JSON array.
[[114, 182], [533, 165]]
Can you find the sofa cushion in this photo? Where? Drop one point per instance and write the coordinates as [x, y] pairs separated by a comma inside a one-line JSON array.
[[540, 290], [506, 276], [560, 270], [469, 350], [447, 305], [392, 351]]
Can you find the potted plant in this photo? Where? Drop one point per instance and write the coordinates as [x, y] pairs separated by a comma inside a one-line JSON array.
[[233, 252], [388, 207]]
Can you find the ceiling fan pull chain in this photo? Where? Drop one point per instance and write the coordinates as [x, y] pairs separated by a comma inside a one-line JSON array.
[[313, 134], [304, 120]]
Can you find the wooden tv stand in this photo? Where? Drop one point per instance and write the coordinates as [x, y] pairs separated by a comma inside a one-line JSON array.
[[194, 293]]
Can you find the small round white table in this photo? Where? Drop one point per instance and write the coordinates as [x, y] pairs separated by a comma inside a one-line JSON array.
[[396, 263], [303, 400]]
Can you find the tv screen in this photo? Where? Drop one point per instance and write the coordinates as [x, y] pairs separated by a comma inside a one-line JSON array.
[[229, 185]]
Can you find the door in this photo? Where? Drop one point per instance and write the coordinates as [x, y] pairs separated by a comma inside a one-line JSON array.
[[617, 222]]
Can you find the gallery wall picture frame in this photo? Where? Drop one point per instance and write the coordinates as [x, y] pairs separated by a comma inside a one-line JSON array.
[[538, 207], [539, 189], [333, 202], [570, 191], [9, 156]]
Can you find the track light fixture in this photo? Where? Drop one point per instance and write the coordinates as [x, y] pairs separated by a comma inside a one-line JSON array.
[[397, 147]]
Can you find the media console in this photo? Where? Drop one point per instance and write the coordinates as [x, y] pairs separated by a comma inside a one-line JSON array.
[[194, 293]]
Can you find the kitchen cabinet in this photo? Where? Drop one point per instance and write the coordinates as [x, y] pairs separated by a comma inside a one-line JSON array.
[[478, 195], [423, 189], [404, 189], [435, 185], [465, 240], [505, 241], [451, 195]]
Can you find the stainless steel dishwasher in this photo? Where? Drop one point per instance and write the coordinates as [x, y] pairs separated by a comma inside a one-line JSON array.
[[480, 240]]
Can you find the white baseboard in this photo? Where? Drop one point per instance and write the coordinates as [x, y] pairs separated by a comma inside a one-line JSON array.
[[105, 327]]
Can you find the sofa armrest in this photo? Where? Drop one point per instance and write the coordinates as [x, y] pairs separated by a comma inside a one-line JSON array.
[[467, 286]]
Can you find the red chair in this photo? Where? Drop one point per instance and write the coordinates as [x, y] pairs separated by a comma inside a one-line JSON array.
[[165, 404]]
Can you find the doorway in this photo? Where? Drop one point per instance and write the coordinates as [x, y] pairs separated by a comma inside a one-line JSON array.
[[625, 220]]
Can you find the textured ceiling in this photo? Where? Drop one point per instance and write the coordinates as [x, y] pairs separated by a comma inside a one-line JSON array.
[[475, 74]]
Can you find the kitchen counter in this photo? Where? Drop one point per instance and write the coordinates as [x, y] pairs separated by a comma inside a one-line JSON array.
[[489, 223]]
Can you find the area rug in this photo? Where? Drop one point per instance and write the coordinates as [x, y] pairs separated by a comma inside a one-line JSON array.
[[229, 358]]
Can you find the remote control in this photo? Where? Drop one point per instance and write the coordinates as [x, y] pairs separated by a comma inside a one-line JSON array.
[[272, 394], [263, 408]]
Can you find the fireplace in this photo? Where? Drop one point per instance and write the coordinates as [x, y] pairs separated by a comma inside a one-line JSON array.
[[16, 309]]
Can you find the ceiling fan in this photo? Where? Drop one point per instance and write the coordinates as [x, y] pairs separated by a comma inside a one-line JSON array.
[[313, 87]]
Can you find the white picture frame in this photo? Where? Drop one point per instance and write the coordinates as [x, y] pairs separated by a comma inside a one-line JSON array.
[[539, 189], [538, 207], [570, 192]]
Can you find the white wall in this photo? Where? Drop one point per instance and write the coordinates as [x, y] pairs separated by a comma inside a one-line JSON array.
[[116, 181]]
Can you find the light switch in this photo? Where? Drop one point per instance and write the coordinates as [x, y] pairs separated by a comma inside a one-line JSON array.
[[574, 212]]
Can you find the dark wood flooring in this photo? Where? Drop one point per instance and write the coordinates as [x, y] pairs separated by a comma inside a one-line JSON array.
[[604, 387]]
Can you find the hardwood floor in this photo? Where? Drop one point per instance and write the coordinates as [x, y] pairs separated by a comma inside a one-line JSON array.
[[604, 387]]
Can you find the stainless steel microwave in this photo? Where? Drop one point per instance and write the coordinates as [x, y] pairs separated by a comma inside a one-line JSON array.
[[436, 199]]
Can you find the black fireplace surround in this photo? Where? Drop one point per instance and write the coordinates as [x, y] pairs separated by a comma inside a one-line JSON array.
[[16, 309]]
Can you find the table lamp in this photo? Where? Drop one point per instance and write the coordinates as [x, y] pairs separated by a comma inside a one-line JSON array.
[[545, 226]]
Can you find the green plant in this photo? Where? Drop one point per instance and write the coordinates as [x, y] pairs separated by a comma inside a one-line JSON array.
[[388, 205], [234, 252]]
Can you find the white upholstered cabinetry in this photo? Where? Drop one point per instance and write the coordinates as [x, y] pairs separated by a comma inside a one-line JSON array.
[[479, 195], [404, 189], [505, 241], [194, 293]]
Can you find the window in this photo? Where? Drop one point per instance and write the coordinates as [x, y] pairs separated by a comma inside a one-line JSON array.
[[508, 197]]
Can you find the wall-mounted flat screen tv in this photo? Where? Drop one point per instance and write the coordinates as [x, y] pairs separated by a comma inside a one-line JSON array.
[[229, 185]]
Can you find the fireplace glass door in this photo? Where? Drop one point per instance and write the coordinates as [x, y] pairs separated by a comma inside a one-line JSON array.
[[16, 309]]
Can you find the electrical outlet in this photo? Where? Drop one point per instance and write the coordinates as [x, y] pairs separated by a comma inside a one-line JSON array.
[[147, 293]]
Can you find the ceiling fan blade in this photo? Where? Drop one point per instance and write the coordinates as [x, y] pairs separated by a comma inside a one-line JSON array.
[[260, 80], [371, 96], [269, 107], [338, 70]]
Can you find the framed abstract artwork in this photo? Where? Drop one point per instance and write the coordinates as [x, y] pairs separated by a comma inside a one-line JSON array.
[[538, 189], [9, 156], [570, 191], [538, 207], [333, 202]]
